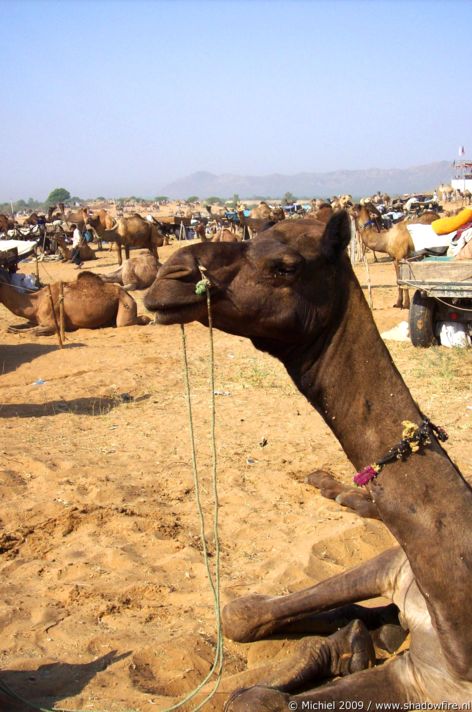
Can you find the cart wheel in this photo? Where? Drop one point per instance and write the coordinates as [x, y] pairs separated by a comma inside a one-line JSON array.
[[421, 320]]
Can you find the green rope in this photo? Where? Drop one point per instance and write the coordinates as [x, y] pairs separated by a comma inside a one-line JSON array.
[[214, 581]]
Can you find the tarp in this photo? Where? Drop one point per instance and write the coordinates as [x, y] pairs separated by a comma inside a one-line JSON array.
[[24, 247]]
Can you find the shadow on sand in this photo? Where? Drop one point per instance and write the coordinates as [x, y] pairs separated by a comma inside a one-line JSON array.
[[78, 406], [50, 683], [14, 355]]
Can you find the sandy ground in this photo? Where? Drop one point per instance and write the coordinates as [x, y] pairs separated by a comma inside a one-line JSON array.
[[105, 604]]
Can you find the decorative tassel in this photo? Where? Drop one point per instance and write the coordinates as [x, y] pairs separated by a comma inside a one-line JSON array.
[[367, 474]]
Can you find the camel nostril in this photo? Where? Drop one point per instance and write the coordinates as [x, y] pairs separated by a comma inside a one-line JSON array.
[[176, 272]]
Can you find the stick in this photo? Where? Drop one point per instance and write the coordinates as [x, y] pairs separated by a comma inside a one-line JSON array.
[[369, 284], [61, 310], [58, 332]]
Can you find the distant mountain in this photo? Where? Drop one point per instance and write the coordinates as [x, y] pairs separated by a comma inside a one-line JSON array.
[[357, 183]]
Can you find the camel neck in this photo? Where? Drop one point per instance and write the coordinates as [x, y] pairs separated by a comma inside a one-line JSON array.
[[20, 303], [366, 411], [351, 380], [424, 500]]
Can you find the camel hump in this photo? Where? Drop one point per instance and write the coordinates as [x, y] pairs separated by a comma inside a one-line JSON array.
[[89, 277]]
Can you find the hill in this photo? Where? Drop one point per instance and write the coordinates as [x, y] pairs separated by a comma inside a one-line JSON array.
[[356, 182]]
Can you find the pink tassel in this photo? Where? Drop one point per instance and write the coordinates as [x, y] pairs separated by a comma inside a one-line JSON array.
[[365, 476]]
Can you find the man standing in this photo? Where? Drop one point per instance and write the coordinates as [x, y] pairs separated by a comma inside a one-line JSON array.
[[76, 244]]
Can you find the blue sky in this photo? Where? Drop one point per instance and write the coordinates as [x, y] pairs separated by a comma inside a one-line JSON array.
[[119, 98]]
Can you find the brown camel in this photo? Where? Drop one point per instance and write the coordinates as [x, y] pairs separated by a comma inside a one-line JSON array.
[[89, 303], [75, 217], [293, 292], [129, 232], [6, 223], [136, 273], [86, 253], [395, 242]]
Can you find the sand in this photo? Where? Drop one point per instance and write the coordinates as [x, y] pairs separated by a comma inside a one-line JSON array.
[[105, 604]]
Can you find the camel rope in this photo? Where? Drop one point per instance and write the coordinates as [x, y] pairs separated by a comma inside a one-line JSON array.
[[214, 579]]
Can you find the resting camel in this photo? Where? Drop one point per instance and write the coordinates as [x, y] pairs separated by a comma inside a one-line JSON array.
[[293, 292], [89, 303], [395, 242], [129, 232], [136, 273]]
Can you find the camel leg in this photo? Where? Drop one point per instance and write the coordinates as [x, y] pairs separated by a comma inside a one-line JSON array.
[[127, 252], [387, 683], [254, 617], [19, 328], [403, 298], [348, 650], [406, 298], [127, 314], [359, 501], [120, 256]]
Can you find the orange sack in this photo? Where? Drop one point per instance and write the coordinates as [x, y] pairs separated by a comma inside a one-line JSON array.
[[445, 225]]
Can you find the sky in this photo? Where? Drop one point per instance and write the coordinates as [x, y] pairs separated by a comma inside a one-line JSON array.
[[117, 98]]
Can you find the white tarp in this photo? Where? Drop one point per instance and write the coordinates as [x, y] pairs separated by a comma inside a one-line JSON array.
[[24, 247]]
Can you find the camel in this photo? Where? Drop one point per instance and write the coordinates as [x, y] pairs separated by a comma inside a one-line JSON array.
[[89, 303], [129, 232], [136, 273], [75, 217], [6, 223], [395, 242], [263, 211], [252, 226], [293, 292], [86, 253]]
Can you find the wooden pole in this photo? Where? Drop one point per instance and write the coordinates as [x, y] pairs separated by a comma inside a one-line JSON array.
[[58, 331], [369, 284], [61, 310], [37, 268]]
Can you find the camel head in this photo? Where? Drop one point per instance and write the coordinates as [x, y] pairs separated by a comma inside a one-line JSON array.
[[278, 289]]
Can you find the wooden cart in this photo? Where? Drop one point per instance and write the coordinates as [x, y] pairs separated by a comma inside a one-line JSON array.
[[443, 293]]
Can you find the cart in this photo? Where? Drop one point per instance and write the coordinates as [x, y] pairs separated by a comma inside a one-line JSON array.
[[443, 294]]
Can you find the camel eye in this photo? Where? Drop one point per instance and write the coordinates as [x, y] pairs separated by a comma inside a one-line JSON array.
[[284, 269]]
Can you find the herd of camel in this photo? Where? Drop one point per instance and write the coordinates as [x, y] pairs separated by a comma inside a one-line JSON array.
[[91, 302], [292, 291]]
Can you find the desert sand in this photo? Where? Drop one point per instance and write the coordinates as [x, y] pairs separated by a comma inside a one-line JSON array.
[[104, 603]]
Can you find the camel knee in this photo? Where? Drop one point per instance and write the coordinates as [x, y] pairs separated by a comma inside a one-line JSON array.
[[247, 619], [262, 699]]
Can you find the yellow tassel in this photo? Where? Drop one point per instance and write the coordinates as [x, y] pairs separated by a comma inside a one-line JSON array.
[[409, 429]]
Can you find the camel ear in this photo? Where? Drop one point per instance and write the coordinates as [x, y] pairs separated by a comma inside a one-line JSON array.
[[336, 236]]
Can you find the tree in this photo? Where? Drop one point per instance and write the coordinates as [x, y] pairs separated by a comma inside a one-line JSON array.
[[161, 198], [288, 199], [213, 200], [58, 195], [192, 199]]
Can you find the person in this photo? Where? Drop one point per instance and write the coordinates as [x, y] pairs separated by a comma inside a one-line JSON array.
[[76, 244]]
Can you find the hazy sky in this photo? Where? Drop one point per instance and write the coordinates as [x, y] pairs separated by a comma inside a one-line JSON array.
[[119, 98]]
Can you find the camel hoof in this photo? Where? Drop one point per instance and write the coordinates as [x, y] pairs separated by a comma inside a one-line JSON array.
[[389, 637], [358, 503], [245, 619], [262, 699], [328, 486], [362, 653]]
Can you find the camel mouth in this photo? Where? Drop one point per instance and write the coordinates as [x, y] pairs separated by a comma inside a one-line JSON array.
[[178, 313]]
